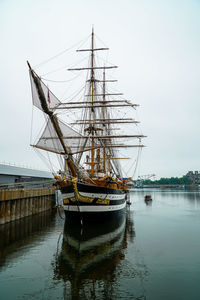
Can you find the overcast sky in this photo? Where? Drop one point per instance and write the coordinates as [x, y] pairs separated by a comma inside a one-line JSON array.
[[155, 43]]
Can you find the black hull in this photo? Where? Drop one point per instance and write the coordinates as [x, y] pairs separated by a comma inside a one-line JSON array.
[[91, 188], [86, 203]]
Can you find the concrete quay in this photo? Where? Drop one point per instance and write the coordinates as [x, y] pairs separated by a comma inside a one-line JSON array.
[[19, 203]]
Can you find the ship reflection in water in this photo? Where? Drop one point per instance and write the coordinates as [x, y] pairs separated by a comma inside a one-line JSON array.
[[89, 257], [80, 262]]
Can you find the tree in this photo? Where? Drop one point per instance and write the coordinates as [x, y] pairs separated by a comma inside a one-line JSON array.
[[170, 181]]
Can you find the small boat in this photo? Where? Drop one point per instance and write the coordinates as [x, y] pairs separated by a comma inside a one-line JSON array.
[[148, 198]]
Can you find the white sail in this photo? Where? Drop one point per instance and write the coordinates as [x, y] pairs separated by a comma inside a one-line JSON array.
[[49, 139], [51, 100]]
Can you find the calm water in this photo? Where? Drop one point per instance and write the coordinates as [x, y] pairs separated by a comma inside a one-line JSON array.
[[152, 254]]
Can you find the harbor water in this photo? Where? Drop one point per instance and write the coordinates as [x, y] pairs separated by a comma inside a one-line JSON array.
[[153, 253]]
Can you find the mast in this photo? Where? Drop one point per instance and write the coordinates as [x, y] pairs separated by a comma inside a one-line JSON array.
[[92, 83], [104, 117]]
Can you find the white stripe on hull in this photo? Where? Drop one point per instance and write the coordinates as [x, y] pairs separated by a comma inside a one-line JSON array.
[[96, 195], [94, 208], [67, 195], [104, 196]]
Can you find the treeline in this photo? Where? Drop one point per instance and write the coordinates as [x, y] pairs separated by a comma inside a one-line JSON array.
[[172, 180]]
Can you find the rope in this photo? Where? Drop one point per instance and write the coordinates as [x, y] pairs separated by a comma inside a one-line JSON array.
[[60, 80], [60, 53]]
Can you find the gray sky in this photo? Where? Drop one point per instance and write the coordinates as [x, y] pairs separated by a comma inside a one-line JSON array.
[[156, 45]]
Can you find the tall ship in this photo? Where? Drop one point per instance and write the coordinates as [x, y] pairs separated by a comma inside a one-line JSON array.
[[91, 146]]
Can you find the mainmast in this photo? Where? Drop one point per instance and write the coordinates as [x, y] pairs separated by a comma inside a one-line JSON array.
[[92, 86], [104, 117]]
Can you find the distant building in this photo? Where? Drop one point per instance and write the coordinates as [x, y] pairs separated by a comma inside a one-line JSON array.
[[11, 176], [194, 176]]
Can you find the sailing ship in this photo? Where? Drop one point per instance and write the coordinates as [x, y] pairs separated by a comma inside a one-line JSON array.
[[91, 182]]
